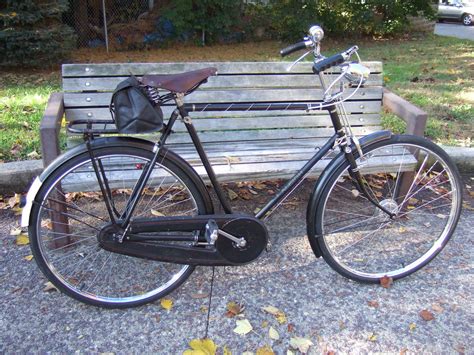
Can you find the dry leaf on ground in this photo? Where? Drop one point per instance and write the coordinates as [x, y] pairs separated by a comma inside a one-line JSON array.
[[386, 282], [426, 315], [273, 334], [374, 304], [279, 315], [437, 308], [412, 326], [201, 347], [226, 350], [243, 327], [28, 257], [22, 239], [233, 309], [166, 303], [301, 344], [265, 350], [372, 337], [48, 286], [232, 194]]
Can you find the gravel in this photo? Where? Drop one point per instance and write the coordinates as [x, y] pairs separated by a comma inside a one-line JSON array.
[[334, 313]]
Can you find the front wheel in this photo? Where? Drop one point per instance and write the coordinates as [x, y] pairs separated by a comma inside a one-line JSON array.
[[69, 214], [467, 19], [409, 176]]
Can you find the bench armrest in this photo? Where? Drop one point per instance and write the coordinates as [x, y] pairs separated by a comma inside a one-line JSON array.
[[411, 114], [50, 126]]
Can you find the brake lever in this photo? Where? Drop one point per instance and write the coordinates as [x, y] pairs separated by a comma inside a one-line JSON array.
[[297, 60]]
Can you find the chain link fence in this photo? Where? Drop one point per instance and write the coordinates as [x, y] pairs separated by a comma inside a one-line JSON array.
[[113, 24]]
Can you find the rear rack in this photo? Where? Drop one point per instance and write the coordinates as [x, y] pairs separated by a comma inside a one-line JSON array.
[[92, 127]]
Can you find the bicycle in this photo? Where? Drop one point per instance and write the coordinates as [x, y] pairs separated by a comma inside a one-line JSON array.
[[120, 222]]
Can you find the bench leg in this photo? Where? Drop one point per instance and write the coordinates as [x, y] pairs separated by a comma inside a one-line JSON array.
[[49, 134]]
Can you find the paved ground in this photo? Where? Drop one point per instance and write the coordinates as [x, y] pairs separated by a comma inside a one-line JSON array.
[[454, 29], [319, 304]]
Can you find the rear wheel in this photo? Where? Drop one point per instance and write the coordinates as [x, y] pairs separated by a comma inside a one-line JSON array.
[[407, 175], [70, 213]]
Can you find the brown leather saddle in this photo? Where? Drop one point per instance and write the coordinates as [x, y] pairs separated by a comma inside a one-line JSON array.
[[182, 82]]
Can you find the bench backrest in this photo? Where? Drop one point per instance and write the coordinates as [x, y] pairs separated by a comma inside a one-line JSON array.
[[256, 142]]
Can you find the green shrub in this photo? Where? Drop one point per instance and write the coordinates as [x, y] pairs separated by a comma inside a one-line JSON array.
[[291, 18], [32, 32]]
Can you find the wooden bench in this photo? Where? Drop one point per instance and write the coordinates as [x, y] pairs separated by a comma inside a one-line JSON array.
[[241, 145]]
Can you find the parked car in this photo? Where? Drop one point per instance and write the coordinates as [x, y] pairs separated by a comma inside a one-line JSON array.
[[457, 10]]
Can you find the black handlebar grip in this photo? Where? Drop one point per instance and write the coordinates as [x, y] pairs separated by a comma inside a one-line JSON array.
[[293, 48], [328, 63]]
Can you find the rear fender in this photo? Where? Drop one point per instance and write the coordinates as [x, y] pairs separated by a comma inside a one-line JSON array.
[[112, 142], [324, 179]]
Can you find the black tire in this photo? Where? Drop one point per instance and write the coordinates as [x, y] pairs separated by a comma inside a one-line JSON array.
[[467, 19], [68, 253], [363, 243]]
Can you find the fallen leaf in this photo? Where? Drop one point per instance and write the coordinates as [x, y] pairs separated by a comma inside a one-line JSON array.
[[47, 224], [226, 350], [258, 185], [14, 200], [33, 155], [413, 200], [374, 304], [232, 195], [243, 327], [22, 239], [265, 350], [48, 286], [201, 347], [28, 257], [402, 230], [256, 210], [15, 231], [372, 337], [412, 326], [437, 308], [233, 309], [245, 194], [273, 334], [198, 296], [289, 352], [157, 213], [166, 303], [248, 353], [279, 315], [426, 315], [290, 327], [386, 282], [264, 324], [301, 344], [355, 192], [442, 216]]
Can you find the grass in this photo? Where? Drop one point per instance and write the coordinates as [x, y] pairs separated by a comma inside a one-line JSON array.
[[435, 73]]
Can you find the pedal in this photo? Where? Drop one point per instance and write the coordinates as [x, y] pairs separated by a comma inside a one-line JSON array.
[[211, 233]]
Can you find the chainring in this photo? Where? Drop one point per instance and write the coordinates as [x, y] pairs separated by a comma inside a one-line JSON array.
[[252, 230]]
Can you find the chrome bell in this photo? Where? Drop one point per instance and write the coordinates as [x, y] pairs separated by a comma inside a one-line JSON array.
[[316, 33], [355, 73]]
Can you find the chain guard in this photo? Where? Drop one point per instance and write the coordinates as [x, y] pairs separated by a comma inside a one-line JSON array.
[[254, 233]]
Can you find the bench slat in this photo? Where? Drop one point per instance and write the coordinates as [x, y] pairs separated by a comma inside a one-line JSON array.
[[221, 81], [224, 96], [103, 113], [125, 69]]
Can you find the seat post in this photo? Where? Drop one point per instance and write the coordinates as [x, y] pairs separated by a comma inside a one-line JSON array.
[[202, 154]]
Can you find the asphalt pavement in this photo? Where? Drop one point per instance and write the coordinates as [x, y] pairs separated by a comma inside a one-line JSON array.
[[454, 29], [335, 314]]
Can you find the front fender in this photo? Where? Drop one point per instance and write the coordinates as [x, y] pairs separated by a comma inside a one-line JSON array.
[[323, 180]]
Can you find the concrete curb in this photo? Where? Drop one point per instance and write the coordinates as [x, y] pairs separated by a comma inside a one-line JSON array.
[[17, 176]]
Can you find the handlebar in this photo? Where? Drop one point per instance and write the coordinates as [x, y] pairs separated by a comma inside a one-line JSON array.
[[296, 47], [327, 63]]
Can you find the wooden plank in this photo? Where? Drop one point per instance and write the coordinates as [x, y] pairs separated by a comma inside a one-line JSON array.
[[221, 81], [224, 96], [100, 113], [227, 124], [125, 69]]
